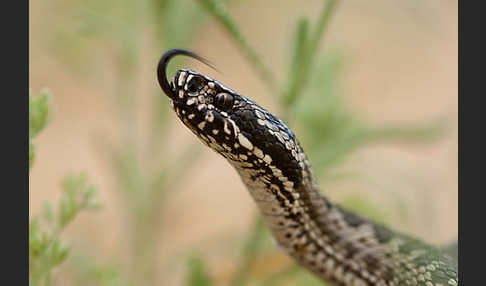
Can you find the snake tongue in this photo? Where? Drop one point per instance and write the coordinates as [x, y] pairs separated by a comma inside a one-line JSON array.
[[162, 68], [162, 75]]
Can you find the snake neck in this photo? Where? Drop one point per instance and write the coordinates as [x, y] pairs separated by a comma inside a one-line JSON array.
[[337, 245]]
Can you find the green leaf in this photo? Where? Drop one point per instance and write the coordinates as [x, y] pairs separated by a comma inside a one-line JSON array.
[[298, 63], [218, 10], [45, 248], [48, 213], [59, 253], [31, 152], [38, 113], [35, 241], [76, 195]]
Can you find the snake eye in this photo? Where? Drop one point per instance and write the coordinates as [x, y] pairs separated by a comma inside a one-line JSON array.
[[224, 100], [195, 84]]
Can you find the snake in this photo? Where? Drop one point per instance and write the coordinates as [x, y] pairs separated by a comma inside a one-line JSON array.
[[339, 246]]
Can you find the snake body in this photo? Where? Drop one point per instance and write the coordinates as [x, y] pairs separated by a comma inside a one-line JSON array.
[[337, 245]]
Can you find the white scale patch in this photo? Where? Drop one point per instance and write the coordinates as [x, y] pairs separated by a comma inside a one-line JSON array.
[[235, 128], [287, 145], [182, 76], [288, 184], [201, 125], [258, 152], [209, 116], [226, 127], [228, 148], [276, 171], [213, 140], [188, 79], [259, 114], [267, 159], [271, 126], [245, 142], [279, 138], [261, 122], [284, 135]]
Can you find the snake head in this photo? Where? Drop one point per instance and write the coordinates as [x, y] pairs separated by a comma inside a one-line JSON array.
[[212, 111], [231, 124]]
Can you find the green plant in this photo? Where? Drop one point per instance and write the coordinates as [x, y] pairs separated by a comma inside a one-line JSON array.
[[144, 171], [46, 250], [38, 114]]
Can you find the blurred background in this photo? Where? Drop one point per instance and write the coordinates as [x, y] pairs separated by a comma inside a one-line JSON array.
[[378, 118]]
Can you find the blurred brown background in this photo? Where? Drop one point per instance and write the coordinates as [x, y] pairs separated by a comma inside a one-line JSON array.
[[401, 66]]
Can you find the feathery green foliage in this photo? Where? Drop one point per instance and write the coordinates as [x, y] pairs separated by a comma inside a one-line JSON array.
[[46, 250], [144, 172], [38, 115]]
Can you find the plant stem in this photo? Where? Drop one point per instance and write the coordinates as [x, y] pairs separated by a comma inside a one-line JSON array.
[[217, 10], [304, 55], [321, 25]]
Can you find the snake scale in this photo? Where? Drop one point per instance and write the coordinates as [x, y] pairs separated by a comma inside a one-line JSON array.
[[338, 246]]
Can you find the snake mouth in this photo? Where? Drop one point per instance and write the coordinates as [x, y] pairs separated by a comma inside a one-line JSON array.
[[162, 69]]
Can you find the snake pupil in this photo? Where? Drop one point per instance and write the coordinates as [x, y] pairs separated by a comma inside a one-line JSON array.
[[224, 101]]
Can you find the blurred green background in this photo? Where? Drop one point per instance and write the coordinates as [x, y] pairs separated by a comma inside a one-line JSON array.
[[372, 98]]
